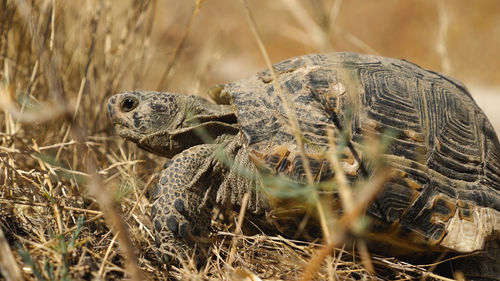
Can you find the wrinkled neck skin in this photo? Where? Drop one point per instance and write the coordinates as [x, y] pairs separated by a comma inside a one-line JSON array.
[[198, 121]]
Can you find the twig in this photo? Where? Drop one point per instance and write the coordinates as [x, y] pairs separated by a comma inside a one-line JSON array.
[[365, 256], [334, 12], [317, 34], [177, 51], [284, 95], [8, 265], [237, 231], [37, 204], [100, 273], [441, 49], [146, 188], [291, 114], [110, 210]]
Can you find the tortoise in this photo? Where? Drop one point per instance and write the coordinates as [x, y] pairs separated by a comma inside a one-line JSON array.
[[444, 194]]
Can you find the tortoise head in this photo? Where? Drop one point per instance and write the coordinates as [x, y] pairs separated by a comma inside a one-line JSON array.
[[167, 123]]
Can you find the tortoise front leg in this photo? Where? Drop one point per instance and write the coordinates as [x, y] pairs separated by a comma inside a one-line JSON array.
[[181, 202]]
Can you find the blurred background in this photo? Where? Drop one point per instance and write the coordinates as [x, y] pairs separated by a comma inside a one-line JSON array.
[[456, 37], [188, 46]]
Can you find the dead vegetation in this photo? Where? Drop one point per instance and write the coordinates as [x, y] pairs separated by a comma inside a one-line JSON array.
[[73, 201]]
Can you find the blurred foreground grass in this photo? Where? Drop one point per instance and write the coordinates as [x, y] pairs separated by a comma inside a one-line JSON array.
[[60, 160]]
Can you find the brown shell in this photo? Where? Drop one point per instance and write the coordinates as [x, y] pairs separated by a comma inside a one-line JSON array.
[[445, 151]]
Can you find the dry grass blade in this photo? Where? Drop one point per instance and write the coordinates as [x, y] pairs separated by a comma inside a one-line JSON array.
[[314, 264], [334, 12], [284, 95], [237, 231], [443, 23], [84, 78], [365, 256], [292, 117], [356, 41], [162, 85], [100, 273], [345, 192], [318, 35], [353, 206], [47, 205], [242, 275], [54, 83], [19, 115], [352, 209], [114, 217], [8, 265]]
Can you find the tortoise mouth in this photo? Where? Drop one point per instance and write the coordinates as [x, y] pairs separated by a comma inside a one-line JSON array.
[[126, 132], [149, 149], [120, 128], [142, 140]]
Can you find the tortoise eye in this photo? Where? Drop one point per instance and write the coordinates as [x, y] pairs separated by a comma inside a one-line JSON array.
[[128, 104]]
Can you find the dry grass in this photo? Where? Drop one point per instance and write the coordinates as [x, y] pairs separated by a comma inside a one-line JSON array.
[[73, 201]]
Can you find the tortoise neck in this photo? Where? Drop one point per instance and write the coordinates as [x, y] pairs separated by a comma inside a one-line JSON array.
[[198, 110]]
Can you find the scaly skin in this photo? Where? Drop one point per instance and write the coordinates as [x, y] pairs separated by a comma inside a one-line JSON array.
[[182, 200], [445, 192], [199, 174]]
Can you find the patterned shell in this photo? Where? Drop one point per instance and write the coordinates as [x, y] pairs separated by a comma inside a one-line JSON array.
[[446, 191]]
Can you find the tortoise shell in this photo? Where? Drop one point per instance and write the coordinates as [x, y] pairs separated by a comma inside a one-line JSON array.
[[444, 150]]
